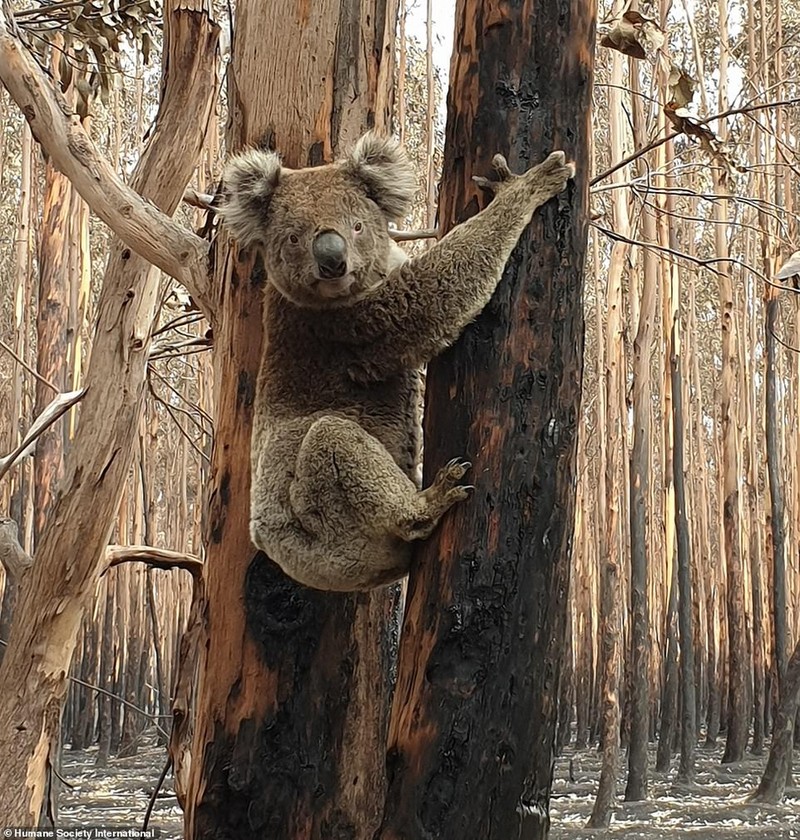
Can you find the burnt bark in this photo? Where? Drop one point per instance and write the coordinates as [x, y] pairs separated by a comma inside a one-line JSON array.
[[779, 613], [475, 708], [669, 699], [688, 712], [293, 701], [779, 763]]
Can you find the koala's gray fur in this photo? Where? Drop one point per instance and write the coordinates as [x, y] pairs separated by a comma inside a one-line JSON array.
[[348, 323]]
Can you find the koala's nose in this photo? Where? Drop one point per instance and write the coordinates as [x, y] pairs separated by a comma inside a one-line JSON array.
[[330, 252]]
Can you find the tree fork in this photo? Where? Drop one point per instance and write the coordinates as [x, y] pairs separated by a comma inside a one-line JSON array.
[[474, 712]]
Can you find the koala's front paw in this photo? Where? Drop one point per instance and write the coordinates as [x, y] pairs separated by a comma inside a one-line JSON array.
[[545, 180], [551, 175]]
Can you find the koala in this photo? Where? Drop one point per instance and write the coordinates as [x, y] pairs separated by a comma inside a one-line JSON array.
[[349, 322]]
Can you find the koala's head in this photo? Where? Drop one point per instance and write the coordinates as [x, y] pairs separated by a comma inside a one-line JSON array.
[[322, 231]]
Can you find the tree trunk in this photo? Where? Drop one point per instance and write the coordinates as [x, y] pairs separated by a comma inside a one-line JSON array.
[[51, 334], [779, 763], [684, 544], [640, 467], [611, 545], [669, 699], [779, 615], [737, 719], [474, 715], [293, 696], [61, 583]]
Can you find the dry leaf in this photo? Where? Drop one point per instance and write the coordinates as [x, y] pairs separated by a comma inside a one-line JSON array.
[[681, 86], [634, 35]]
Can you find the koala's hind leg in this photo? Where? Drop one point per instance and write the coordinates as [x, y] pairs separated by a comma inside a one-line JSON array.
[[345, 478]]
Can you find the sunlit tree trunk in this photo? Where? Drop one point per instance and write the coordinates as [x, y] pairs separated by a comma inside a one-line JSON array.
[[59, 587], [611, 556]]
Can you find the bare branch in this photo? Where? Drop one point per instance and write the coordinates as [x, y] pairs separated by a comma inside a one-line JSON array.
[[205, 201], [145, 229], [57, 408], [32, 371], [412, 235], [208, 201], [156, 558], [745, 109]]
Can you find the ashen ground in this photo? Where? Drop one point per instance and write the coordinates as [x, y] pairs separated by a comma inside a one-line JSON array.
[[714, 808]]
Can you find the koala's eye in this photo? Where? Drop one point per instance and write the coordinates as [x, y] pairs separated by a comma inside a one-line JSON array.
[[294, 238], [358, 227]]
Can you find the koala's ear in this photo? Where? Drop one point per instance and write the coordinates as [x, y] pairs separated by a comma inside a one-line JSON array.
[[382, 167], [249, 181]]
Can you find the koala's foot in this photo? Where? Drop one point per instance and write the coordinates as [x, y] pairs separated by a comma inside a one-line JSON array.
[[436, 500], [540, 182]]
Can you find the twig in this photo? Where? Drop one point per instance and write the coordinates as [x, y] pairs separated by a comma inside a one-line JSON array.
[[152, 718], [154, 795], [32, 371], [745, 109], [411, 235]]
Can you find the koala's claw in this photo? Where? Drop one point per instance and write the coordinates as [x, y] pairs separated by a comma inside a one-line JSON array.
[[452, 471]]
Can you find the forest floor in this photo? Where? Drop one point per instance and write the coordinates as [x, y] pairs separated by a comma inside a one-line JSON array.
[[714, 808]]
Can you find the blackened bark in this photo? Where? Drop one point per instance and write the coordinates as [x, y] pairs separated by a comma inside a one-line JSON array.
[[669, 700], [684, 562], [475, 708], [775, 492], [293, 701], [779, 763]]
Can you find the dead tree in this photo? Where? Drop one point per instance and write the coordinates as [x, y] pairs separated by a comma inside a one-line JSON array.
[[57, 590], [292, 709], [474, 713]]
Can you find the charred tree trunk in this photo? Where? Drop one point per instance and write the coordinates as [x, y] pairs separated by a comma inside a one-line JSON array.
[[775, 492], [474, 714], [779, 763], [293, 701], [669, 700], [684, 550]]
